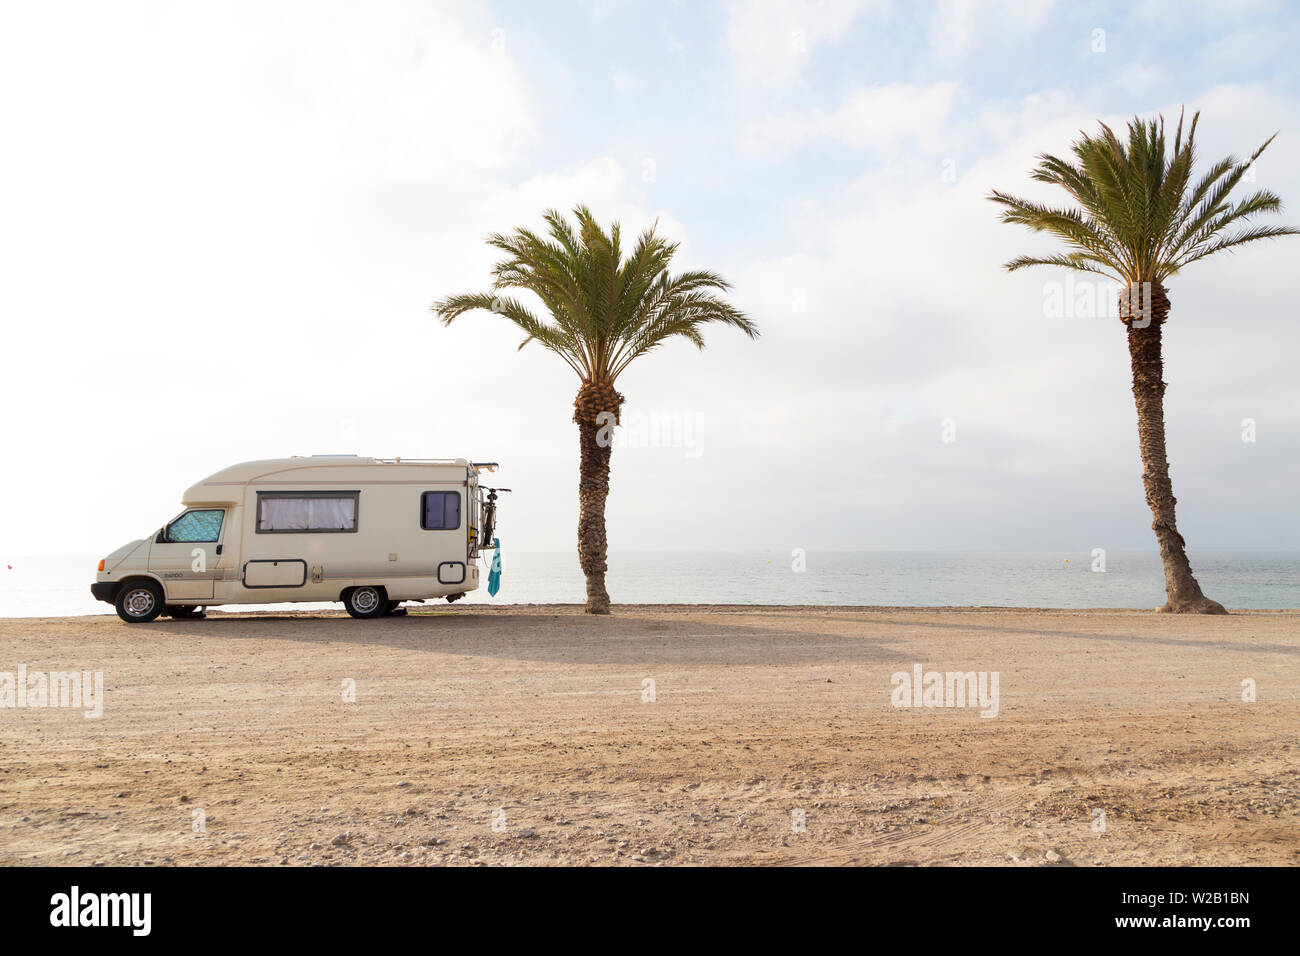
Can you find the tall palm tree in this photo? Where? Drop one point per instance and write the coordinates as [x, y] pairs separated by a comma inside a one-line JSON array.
[[605, 311], [1143, 219]]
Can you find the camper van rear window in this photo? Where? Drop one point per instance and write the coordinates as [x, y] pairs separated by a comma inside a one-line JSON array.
[[441, 511], [295, 512]]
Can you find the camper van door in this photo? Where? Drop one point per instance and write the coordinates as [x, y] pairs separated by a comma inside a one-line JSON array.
[[186, 553]]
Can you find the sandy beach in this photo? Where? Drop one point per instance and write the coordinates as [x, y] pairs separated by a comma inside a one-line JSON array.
[[661, 736]]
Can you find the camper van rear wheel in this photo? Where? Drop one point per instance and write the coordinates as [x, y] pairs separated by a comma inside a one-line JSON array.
[[366, 601], [139, 603]]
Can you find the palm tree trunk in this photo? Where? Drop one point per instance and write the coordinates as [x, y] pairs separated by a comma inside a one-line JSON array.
[[592, 408], [593, 487], [1145, 323]]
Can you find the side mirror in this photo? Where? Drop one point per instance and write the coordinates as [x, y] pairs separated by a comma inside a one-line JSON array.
[[162, 535]]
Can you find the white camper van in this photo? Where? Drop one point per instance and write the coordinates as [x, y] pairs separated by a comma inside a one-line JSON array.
[[370, 532]]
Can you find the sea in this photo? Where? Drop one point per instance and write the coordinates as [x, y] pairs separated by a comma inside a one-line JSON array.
[[59, 585]]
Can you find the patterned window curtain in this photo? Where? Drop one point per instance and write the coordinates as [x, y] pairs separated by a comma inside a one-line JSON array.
[[331, 514], [308, 514]]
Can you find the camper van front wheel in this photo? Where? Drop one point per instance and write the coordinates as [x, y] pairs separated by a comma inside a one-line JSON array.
[[366, 601], [139, 603]]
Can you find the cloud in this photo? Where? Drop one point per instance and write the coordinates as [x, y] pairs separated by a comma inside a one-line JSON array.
[[957, 27], [772, 40], [231, 223], [224, 227], [896, 303], [1201, 11], [886, 118]]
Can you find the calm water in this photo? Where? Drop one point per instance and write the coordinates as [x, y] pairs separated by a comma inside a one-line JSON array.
[[49, 586]]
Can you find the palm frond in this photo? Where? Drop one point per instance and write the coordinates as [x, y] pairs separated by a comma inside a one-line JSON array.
[[1240, 238], [1072, 260], [606, 308], [551, 337], [1141, 215]]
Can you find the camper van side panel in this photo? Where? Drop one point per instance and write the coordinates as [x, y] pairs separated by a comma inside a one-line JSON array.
[[382, 540]]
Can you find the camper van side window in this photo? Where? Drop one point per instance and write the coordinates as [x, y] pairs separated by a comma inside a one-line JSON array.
[[196, 526], [440, 510], [289, 512]]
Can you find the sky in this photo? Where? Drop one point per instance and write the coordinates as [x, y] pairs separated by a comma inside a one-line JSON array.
[[222, 226]]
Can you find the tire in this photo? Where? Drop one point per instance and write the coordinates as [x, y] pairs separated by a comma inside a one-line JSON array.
[[184, 612], [366, 601], [140, 602]]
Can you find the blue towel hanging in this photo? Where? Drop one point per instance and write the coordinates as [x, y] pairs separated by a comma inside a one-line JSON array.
[[494, 576]]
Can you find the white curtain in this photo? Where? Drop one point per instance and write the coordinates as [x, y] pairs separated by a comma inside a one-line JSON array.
[[308, 514]]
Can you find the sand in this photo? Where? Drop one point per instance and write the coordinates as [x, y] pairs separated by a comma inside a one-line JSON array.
[[525, 735]]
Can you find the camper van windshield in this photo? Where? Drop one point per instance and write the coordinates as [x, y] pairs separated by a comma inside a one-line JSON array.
[[196, 526]]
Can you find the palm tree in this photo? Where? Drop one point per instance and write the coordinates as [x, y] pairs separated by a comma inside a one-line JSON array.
[[605, 312], [1142, 220]]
